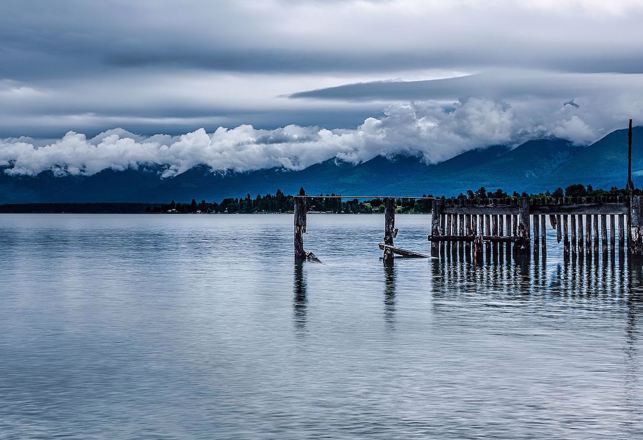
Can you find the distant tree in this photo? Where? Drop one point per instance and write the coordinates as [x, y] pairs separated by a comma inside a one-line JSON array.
[[576, 190], [558, 194]]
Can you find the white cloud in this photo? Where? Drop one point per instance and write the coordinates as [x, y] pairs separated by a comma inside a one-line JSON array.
[[435, 131]]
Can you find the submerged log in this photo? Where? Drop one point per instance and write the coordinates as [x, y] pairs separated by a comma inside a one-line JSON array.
[[401, 252]]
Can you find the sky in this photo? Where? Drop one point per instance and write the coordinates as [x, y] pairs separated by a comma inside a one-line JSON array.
[[249, 84]]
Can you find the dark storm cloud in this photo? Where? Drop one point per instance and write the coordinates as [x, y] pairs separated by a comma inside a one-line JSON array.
[[347, 79]]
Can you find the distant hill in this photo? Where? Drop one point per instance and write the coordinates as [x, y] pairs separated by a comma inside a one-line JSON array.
[[534, 166]]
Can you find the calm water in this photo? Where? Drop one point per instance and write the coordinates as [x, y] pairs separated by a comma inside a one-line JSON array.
[[202, 327]]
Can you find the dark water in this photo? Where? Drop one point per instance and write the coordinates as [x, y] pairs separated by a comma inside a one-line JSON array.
[[202, 327]]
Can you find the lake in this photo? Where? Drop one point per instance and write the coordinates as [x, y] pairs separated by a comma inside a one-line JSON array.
[[201, 326]]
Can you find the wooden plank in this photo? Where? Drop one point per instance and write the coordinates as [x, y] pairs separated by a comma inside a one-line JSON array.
[[588, 208], [401, 252], [464, 238], [481, 210]]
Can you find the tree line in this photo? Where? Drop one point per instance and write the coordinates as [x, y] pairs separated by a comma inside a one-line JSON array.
[[330, 203]]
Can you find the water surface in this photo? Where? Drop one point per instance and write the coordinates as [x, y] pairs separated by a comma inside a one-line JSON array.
[[201, 326]]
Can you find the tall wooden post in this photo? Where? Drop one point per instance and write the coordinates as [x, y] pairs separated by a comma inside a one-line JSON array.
[[389, 229], [630, 184], [300, 226]]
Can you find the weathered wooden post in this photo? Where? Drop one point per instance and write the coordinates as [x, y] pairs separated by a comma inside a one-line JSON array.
[[523, 225], [565, 223], [436, 214], [572, 228], [389, 229], [636, 241], [300, 225], [603, 233], [630, 183]]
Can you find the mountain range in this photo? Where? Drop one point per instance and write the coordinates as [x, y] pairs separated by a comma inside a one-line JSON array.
[[535, 166]]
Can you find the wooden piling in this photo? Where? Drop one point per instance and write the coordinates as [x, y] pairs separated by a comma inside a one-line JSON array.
[[436, 215], [612, 232], [300, 227], [581, 240], [565, 234], [543, 231], [621, 231], [595, 228], [603, 232], [588, 234], [559, 234], [636, 241], [536, 230], [572, 228], [389, 229], [523, 224]]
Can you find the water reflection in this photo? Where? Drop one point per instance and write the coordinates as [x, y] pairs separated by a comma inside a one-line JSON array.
[[576, 275], [300, 301], [389, 296]]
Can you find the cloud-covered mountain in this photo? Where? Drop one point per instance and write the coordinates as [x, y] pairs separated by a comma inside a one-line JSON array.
[[536, 165]]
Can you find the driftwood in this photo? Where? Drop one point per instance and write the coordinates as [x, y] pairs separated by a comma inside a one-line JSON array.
[[401, 252]]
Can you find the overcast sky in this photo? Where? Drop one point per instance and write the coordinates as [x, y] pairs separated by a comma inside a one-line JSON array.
[[261, 83]]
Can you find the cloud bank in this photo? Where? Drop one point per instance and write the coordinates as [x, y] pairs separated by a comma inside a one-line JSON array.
[[434, 131]]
